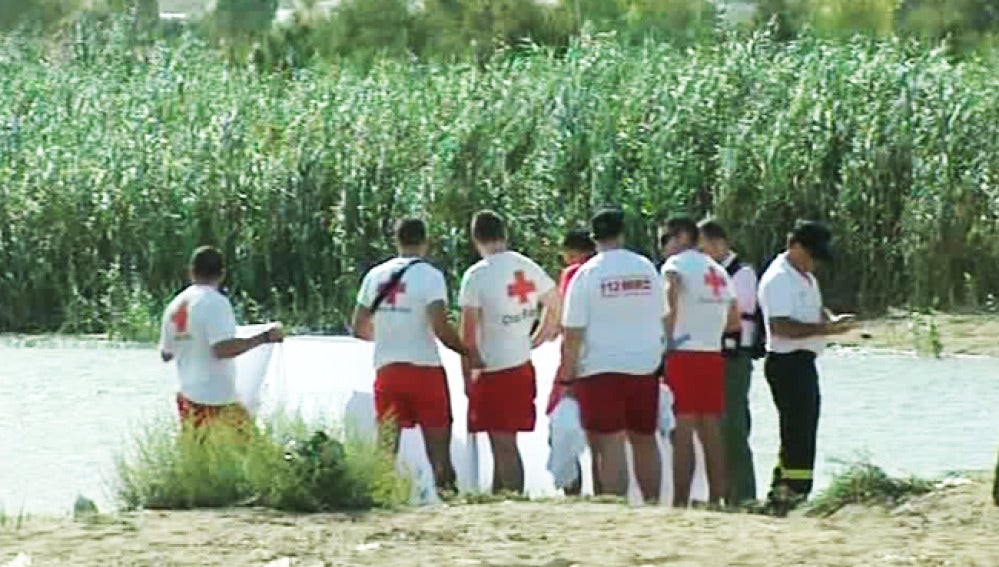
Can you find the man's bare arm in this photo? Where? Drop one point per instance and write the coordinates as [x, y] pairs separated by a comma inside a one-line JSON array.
[[549, 328], [791, 329], [572, 346], [673, 284], [445, 332], [734, 321], [235, 347], [469, 336], [361, 323]]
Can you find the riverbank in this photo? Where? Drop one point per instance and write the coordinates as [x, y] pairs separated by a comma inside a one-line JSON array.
[[952, 526], [958, 334], [954, 333]]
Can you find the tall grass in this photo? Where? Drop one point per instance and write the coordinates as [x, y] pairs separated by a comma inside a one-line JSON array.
[[115, 163], [284, 466]]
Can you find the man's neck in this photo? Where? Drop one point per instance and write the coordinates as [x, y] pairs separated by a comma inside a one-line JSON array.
[[491, 248], [608, 246], [725, 257], [409, 253], [206, 283], [797, 262]]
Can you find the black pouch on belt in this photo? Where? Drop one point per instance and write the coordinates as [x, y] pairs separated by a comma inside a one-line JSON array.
[[731, 343]]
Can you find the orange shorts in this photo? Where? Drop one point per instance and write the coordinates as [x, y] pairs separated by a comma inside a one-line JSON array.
[[413, 395], [201, 415], [612, 402], [503, 401], [697, 380]]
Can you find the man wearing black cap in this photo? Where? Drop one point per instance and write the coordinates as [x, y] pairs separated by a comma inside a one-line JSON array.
[[796, 325], [612, 346]]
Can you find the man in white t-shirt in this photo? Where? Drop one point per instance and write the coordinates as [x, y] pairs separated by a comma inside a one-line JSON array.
[[797, 325], [739, 350], [199, 332], [500, 300], [402, 306], [613, 343], [701, 307]]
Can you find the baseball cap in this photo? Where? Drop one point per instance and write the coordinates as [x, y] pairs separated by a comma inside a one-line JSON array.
[[607, 224], [815, 238]]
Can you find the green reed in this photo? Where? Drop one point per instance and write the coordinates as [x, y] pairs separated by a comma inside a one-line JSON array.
[[115, 162]]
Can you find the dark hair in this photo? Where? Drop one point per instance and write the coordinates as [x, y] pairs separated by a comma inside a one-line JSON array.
[[680, 225], [712, 230], [578, 240], [487, 226], [411, 232], [207, 262], [607, 224], [814, 237]]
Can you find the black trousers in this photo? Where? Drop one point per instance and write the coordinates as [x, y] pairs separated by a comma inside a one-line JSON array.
[[794, 385]]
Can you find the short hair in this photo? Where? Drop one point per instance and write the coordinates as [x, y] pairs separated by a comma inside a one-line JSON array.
[[712, 230], [411, 232], [207, 262], [487, 226], [607, 224], [815, 237], [681, 225], [578, 240]]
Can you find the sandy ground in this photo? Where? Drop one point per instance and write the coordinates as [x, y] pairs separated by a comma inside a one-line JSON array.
[[954, 527]]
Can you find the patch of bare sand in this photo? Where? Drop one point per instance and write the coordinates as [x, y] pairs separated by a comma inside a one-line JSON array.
[[954, 527]]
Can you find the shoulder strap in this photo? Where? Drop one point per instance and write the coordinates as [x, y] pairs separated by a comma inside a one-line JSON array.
[[392, 282], [734, 267]]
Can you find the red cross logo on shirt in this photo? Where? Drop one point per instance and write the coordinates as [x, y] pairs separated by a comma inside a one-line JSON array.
[[521, 287], [391, 293], [179, 319], [714, 281]]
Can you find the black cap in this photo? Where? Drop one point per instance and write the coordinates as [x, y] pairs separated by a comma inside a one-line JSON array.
[[815, 238], [607, 224]]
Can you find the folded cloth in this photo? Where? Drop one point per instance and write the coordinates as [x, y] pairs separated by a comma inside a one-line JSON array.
[[568, 440], [666, 422]]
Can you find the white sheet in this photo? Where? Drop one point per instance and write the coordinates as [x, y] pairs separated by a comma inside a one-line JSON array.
[[329, 380]]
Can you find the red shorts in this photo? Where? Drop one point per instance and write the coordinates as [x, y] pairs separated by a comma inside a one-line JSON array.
[[413, 395], [201, 415], [697, 380], [503, 401], [610, 403]]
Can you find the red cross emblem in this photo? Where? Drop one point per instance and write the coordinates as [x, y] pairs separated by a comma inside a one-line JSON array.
[[392, 292], [521, 287], [714, 281], [179, 319]]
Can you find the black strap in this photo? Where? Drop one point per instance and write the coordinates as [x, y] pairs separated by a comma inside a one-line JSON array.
[[391, 283], [734, 267]]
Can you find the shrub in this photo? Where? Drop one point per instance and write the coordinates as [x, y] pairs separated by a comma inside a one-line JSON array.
[[866, 484], [284, 465]]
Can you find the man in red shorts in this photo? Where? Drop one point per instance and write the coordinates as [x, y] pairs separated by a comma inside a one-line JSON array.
[[402, 306], [199, 332], [613, 336], [701, 307], [577, 249], [500, 298]]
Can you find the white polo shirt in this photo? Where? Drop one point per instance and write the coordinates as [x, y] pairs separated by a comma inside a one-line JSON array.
[[403, 332], [706, 295], [616, 298], [506, 289], [786, 292], [196, 320], [745, 283]]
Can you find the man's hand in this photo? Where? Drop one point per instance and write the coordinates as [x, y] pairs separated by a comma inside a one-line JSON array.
[[546, 334], [475, 361], [840, 324], [276, 334], [566, 373]]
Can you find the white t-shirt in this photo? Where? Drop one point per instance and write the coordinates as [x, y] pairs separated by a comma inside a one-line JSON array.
[[506, 288], [786, 292], [617, 299], [403, 332], [196, 320], [745, 284], [706, 295]]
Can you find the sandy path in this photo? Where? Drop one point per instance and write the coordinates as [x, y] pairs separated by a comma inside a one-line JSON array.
[[956, 527]]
